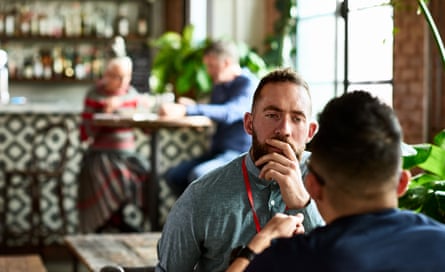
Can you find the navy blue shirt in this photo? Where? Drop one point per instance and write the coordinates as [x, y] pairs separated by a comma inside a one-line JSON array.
[[391, 240], [229, 102]]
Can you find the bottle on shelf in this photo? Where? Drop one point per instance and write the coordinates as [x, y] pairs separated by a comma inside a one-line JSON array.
[[46, 63], [37, 66], [142, 27], [57, 67], [10, 22], [122, 23], [25, 17], [2, 22]]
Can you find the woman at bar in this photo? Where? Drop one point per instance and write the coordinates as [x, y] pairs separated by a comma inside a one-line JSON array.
[[112, 173]]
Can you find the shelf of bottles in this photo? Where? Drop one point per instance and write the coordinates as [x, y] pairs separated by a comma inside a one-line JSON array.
[[66, 39]]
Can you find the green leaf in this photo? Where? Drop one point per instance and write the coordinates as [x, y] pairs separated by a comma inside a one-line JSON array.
[[435, 163], [187, 36], [184, 82], [423, 152], [439, 139], [413, 199], [423, 179], [203, 80], [168, 40]]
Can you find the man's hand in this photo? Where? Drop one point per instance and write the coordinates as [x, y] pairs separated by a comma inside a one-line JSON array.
[[112, 104], [172, 110], [283, 167], [280, 226]]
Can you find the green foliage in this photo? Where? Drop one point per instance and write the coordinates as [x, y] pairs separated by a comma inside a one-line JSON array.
[[284, 27], [178, 62], [426, 192]]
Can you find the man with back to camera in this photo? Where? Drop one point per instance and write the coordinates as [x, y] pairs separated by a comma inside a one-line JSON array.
[[225, 208], [355, 177], [231, 97]]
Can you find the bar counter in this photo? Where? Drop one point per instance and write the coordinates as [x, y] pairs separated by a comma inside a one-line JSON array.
[[18, 121], [48, 106]]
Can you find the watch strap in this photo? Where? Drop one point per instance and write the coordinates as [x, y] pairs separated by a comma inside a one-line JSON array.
[[246, 253], [242, 252]]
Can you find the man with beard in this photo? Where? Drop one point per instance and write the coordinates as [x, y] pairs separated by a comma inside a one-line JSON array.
[[355, 177], [225, 208]]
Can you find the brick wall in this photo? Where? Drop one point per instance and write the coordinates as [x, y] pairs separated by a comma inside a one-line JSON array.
[[418, 75]]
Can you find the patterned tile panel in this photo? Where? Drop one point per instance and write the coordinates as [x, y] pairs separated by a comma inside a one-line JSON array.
[[15, 129]]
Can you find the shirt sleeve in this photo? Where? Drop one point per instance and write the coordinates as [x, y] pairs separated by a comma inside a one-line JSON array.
[[179, 247], [237, 97], [312, 217]]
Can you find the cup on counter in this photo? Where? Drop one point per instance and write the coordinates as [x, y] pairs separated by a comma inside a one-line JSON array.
[[17, 100], [151, 102]]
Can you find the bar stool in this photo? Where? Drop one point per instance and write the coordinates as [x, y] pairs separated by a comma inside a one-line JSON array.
[[48, 157]]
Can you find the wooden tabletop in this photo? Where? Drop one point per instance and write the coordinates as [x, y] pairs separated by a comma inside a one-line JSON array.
[[127, 250], [150, 120], [21, 263]]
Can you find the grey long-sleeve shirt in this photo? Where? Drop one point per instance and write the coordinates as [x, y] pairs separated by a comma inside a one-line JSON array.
[[213, 216]]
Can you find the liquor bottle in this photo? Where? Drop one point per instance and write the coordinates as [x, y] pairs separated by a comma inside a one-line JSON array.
[[2, 23], [57, 62], [122, 23], [10, 22], [142, 24], [46, 63], [37, 66], [25, 20]]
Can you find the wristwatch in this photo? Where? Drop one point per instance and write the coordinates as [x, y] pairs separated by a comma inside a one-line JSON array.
[[242, 252]]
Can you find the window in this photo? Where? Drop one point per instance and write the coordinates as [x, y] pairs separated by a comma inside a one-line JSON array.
[[344, 46]]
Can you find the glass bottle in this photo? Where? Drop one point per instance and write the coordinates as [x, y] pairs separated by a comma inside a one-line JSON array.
[[122, 23]]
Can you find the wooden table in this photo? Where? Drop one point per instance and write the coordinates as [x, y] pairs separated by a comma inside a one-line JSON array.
[[127, 250], [153, 123], [21, 263]]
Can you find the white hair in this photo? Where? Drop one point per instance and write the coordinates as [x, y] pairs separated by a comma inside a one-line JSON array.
[[125, 63]]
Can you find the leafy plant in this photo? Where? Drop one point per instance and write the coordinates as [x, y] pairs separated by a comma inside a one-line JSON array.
[[426, 192], [178, 64], [284, 28]]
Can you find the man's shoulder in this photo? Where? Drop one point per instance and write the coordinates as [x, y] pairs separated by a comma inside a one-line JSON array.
[[233, 167], [219, 177], [247, 76]]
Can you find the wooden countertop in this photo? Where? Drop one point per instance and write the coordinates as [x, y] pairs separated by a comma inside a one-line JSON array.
[[42, 107], [21, 263], [150, 120], [127, 250]]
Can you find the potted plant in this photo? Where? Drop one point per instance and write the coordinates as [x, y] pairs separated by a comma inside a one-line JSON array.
[[178, 65], [426, 192]]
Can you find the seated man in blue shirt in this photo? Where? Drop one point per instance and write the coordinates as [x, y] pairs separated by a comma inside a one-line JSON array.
[[355, 177], [230, 98]]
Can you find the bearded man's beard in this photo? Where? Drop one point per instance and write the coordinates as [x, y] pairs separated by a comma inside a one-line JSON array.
[[260, 149]]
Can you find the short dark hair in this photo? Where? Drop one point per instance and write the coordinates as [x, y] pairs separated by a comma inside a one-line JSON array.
[[280, 75], [223, 48], [358, 140]]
